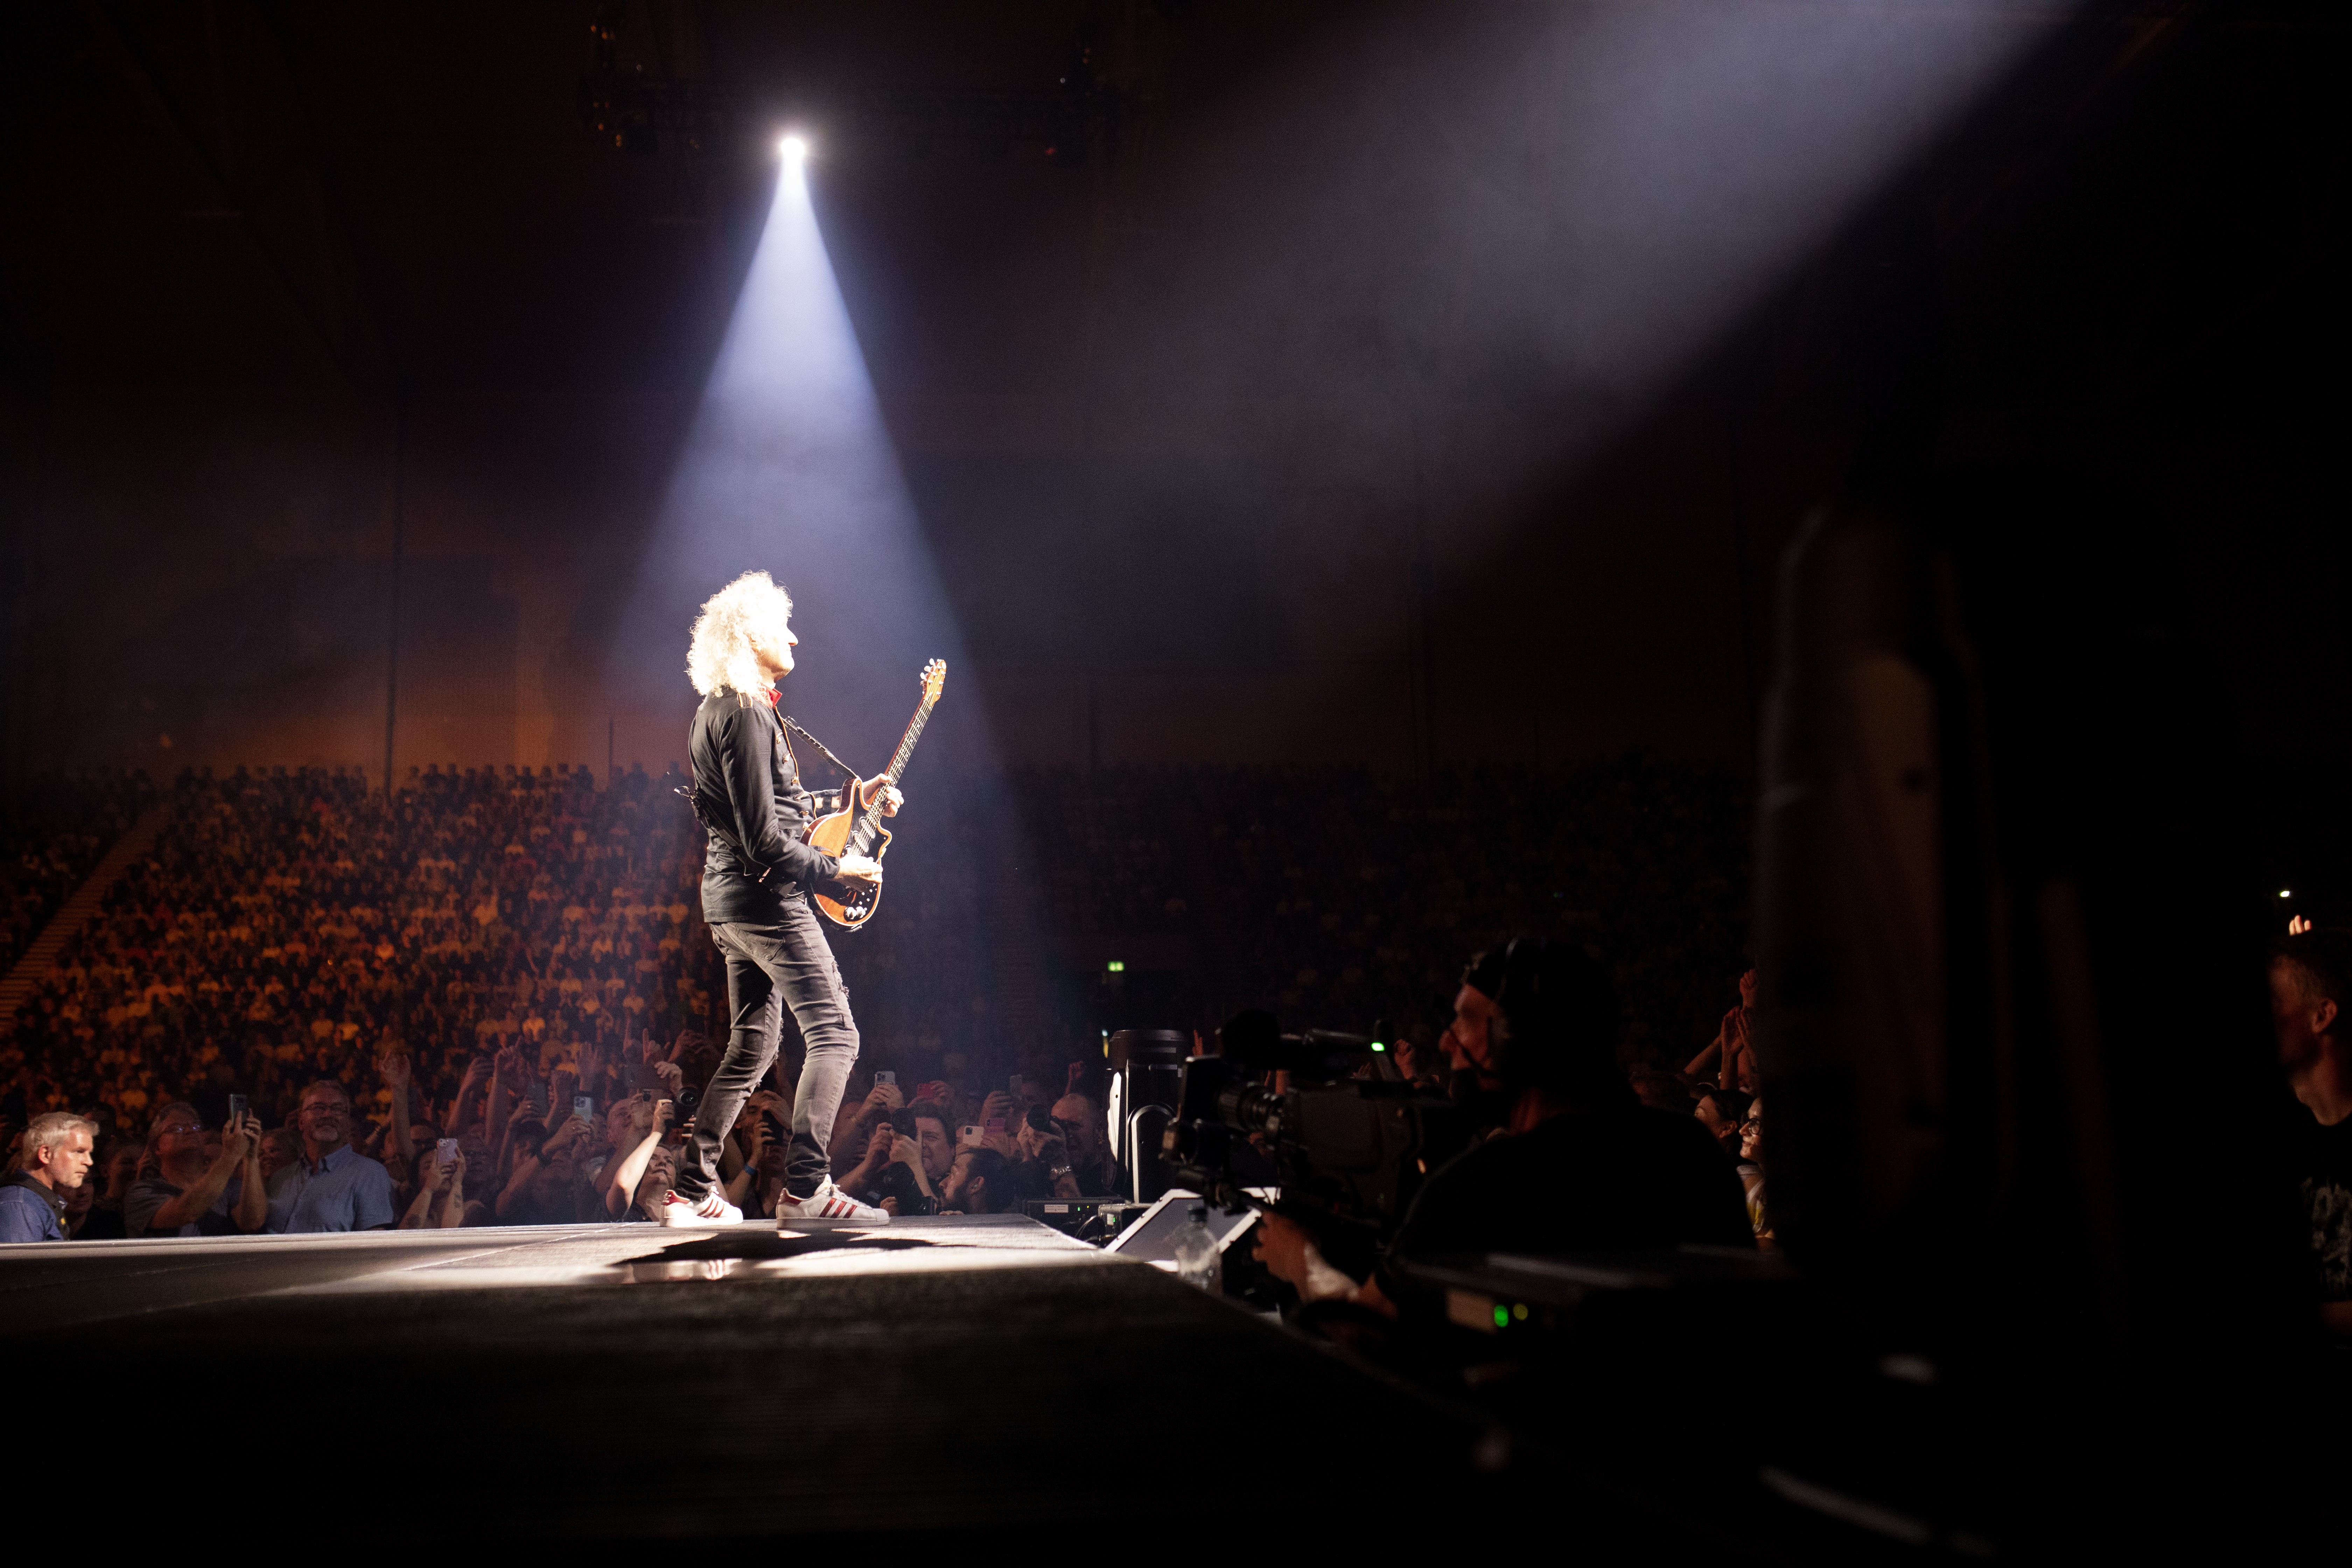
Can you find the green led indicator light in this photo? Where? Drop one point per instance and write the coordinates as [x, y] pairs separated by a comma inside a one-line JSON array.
[[1115, 966], [1377, 1046], [1502, 1317]]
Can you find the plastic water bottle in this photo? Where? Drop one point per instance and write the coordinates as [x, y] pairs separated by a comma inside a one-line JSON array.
[[1197, 1262]]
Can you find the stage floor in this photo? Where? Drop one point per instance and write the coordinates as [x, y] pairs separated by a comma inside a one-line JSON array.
[[934, 1374]]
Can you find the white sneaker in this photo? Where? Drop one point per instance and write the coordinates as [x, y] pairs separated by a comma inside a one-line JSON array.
[[826, 1205], [714, 1209]]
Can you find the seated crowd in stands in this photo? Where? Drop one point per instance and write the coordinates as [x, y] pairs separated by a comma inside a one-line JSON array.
[[53, 832]]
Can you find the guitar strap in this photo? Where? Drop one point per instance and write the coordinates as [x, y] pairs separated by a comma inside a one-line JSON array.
[[826, 751]]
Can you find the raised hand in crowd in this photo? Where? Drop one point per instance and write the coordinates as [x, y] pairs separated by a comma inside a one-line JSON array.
[[752, 1129], [862, 1176], [453, 1203], [394, 1072], [536, 1182], [673, 1078], [568, 1132], [905, 1151], [470, 1089], [1732, 1054], [997, 1107], [241, 1154], [650, 1115], [595, 1067], [440, 1201], [1027, 1142], [560, 1086], [507, 1074], [649, 1119], [882, 1099]]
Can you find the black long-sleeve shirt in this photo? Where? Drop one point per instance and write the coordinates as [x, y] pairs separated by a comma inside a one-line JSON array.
[[746, 771]]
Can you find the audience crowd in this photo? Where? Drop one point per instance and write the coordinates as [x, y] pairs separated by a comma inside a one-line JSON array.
[[503, 980], [53, 832], [492, 1000]]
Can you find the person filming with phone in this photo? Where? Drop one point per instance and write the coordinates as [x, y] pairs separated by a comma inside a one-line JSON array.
[[640, 1165], [187, 1191], [440, 1201]]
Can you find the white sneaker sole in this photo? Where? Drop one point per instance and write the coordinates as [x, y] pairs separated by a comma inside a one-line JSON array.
[[826, 1222]]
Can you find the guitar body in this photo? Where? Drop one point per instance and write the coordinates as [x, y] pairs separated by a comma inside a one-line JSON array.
[[841, 834], [831, 835]]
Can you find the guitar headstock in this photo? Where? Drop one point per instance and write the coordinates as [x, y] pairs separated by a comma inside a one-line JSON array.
[[934, 680]]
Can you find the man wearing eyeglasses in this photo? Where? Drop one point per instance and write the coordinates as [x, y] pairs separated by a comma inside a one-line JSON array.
[[187, 1191], [334, 1186]]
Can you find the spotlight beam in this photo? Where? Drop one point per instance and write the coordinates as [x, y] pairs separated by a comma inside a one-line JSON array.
[[787, 465]]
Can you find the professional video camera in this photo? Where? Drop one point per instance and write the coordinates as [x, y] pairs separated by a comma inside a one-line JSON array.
[[1349, 1151]]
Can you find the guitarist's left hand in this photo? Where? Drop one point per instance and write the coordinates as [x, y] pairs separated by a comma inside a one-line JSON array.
[[876, 789]]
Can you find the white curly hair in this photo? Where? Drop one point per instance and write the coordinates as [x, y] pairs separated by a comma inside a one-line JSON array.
[[721, 657]]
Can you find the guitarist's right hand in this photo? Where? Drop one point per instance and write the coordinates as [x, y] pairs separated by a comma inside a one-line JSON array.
[[858, 868]]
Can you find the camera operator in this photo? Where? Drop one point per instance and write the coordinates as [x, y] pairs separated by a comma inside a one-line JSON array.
[[1583, 1164]]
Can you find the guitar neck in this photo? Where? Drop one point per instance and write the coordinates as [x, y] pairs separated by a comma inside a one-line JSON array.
[[861, 840]]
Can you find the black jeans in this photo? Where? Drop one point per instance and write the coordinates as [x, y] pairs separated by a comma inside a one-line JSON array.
[[787, 963]]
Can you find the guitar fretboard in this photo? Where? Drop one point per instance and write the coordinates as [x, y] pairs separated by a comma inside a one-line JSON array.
[[861, 840]]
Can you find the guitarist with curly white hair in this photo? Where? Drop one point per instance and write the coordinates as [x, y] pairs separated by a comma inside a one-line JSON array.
[[758, 878]]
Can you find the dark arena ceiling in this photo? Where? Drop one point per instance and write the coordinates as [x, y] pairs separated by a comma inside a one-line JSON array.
[[1330, 382]]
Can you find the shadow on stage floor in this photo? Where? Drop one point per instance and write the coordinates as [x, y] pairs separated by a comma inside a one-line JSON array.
[[937, 1375]]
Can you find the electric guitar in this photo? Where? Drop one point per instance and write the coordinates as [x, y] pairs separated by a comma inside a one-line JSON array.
[[843, 832]]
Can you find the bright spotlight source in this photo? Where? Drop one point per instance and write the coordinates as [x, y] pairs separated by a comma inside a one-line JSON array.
[[794, 148], [2284, 893]]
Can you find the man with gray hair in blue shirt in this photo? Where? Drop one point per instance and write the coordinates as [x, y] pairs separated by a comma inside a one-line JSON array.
[[57, 1159], [334, 1186]]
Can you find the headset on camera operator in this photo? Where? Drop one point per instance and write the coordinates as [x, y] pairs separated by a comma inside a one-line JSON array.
[[1584, 1165]]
